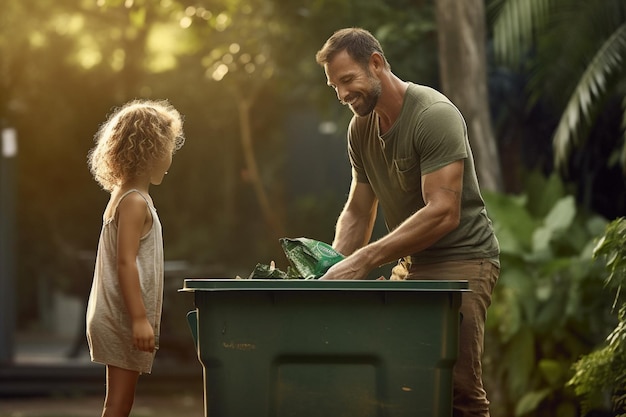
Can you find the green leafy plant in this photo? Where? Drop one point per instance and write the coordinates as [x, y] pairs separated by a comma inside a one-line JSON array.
[[547, 307], [604, 370]]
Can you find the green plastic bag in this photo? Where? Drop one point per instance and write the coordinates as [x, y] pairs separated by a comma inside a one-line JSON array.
[[308, 257]]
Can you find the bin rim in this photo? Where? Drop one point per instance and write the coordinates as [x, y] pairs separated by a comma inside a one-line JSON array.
[[231, 284]]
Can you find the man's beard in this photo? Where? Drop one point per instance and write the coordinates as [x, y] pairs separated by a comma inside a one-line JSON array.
[[366, 103]]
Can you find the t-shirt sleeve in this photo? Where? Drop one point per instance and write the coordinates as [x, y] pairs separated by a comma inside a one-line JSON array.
[[441, 136], [354, 151]]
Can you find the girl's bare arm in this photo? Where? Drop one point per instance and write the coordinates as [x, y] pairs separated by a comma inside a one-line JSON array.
[[132, 218]]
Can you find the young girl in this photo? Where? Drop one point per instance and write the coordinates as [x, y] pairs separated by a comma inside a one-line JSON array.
[[134, 149]]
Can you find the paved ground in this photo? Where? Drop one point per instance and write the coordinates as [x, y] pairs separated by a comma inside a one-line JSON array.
[[161, 394], [178, 405]]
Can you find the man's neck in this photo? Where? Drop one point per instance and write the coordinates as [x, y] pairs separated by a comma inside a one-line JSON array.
[[390, 102]]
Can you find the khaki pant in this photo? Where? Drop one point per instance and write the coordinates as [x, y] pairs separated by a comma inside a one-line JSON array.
[[470, 398]]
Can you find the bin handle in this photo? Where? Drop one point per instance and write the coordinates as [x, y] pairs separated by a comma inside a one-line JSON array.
[[192, 320]]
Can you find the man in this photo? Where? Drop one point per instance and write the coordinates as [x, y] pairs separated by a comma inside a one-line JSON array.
[[409, 152]]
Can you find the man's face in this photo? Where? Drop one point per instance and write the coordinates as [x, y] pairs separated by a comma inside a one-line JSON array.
[[355, 86]]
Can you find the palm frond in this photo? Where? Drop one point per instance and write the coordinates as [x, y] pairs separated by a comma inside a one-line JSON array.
[[515, 24], [607, 63]]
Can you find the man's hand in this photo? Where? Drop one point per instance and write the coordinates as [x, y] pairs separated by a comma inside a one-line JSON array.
[[349, 268]]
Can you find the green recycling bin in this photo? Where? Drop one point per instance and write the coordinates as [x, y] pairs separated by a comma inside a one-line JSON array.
[[309, 348]]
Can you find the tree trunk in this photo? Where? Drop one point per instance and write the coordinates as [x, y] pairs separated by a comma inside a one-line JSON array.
[[272, 219], [463, 71]]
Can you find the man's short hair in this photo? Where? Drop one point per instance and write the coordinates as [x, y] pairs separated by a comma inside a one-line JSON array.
[[359, 43]]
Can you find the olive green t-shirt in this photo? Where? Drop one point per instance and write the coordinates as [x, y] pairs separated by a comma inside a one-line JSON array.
[[429, 134]]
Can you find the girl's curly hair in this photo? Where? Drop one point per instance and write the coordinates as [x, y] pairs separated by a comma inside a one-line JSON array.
[[132, 137]]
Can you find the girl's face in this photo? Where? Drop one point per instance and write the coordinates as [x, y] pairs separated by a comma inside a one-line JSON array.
[[159, 169]]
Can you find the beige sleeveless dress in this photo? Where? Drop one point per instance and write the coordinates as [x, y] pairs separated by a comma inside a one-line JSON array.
[[109, 330]]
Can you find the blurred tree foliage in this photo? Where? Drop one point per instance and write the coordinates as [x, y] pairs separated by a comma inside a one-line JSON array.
[[66, 63]]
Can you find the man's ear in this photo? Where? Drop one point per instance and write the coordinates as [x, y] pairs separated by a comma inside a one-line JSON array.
[[377, 62]]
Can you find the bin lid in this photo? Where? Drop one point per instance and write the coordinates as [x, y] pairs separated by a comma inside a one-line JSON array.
[[231, 284]]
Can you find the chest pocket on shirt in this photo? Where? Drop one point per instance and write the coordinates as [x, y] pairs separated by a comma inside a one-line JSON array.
[[408, 173]]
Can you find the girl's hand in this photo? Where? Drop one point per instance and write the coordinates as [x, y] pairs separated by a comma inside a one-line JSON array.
[[143, 335]]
